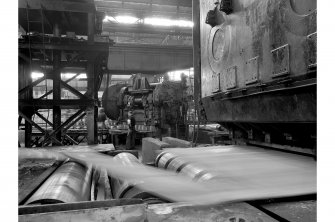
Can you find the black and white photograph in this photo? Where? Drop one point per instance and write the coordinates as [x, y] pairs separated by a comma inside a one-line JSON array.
[[167, 110]]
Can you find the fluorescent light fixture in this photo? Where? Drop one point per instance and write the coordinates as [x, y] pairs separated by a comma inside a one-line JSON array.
[[36, 75], [167, 22], [109, 19], [126, 19]]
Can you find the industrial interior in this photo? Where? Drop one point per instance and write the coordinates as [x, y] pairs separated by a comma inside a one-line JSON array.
[[175, 110]]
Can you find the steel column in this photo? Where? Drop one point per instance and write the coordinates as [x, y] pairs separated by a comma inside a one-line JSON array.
[[25, 81], [27, 132], [56, 93], [91, 111], [196, 52]]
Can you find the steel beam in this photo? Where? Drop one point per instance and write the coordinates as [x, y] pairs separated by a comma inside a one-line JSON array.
[[63, 6], [69, 47], [30, 86], [57, 69], [51, 91], [44, 119], [64, 130], [64, 64], [48, 103], [71, 139], [73, 90], [196, 53], [56, 110], [91, 111], [39, 128], [27, 132], [59, 128], [28, 119]]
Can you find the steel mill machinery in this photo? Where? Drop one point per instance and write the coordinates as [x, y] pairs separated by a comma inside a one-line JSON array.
[[258, 70], [156, 107], [255, 74]]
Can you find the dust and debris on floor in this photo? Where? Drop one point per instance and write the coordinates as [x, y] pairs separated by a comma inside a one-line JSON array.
[[31, 169]]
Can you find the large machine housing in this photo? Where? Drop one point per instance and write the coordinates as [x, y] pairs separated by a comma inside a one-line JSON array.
[[258, 69]]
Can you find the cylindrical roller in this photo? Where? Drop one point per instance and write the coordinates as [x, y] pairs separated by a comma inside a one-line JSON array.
[[177, 164], [196, 173], [120, 187], [71, 182], [124, 189], [163, 159]]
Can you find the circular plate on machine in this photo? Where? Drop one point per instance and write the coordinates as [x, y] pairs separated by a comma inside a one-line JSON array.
[[298, 16], [219, 43], [303, 7], [110, 99]]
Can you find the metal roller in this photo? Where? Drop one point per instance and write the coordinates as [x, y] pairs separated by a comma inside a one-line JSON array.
[[120, 187], [71, 182], [174, 163], [163, 159], [125, 189]]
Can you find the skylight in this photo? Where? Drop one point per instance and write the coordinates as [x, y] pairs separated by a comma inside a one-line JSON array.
[[167, 22], [124, 19], [155, 21]]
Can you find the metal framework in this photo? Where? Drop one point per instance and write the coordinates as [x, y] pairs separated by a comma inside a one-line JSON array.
[[40, 50]]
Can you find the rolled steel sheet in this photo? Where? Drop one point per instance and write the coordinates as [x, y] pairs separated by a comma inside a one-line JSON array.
[[123, 188], [71, 182], [120, 187], [128, 190]]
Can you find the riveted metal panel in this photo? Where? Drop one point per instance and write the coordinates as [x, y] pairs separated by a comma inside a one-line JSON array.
[[216, 82], [267, 40], [281, 61], [230, 78], [311, 44], [252, 72]]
